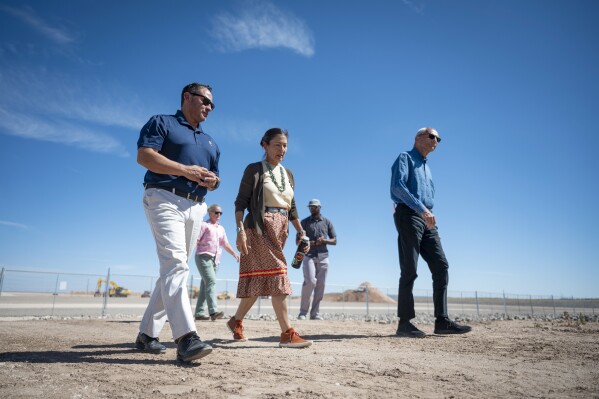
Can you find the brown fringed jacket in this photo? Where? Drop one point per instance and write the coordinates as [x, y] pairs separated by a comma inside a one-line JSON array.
[[251, 197]]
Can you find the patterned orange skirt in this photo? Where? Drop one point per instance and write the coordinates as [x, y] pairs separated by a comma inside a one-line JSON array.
[[263, 271]]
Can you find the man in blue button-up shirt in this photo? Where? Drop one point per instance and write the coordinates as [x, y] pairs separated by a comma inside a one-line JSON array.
[[413, 192]]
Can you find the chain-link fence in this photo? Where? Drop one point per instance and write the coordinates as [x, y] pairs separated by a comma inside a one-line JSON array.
[[35, 293]]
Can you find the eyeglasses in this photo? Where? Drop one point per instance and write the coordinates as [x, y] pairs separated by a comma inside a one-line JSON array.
[[437, 138], [205, 100], [217, 213]]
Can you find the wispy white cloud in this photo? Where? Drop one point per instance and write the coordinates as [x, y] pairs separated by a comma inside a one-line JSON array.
[[262, 26], [239, 131], [22, 125], [417, 6], [58, 35], [60, 110], [13, 224], [247, 132]]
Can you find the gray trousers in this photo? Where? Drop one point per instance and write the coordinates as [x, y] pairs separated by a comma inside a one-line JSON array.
[[315, 275]]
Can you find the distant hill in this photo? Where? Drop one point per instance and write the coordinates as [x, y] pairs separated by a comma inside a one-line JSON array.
[[359, 295]]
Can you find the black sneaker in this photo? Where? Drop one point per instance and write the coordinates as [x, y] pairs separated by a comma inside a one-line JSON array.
[[217, 315], [407, 329], [446, 326], [190, 347], [148, 344]]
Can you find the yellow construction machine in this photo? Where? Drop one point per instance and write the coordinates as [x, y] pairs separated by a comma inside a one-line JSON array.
[[114, 290]]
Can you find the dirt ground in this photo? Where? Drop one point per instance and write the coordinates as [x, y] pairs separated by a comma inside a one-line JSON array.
[[349, 359]]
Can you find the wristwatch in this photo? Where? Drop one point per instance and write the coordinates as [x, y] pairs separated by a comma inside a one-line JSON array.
[[239, 229]]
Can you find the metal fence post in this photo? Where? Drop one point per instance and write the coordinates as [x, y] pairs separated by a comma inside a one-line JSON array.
[[367, 304], [573, 307], [259, 305], [1, 281], [553, 303], [532, 311], [226, 294], [106, 293], [55, 294], [190, 289], [504, 305], [476, 296]]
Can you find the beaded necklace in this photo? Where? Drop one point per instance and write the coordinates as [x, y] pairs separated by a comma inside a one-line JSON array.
[[272, 177]]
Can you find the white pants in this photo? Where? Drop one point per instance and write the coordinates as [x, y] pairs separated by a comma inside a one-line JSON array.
[[315, 275], [175, 224]]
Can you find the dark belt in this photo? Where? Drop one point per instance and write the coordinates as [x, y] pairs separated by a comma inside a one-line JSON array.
[[282, 211], [180, 193]]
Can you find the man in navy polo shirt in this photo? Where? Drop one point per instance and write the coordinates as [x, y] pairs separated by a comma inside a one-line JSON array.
[[182, 163], [413, 192]]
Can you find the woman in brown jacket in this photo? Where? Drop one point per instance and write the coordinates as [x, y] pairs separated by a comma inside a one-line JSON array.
[[266, 191]]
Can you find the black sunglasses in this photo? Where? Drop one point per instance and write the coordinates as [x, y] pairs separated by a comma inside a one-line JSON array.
[[205, 100], [217, 213], [431, 136]]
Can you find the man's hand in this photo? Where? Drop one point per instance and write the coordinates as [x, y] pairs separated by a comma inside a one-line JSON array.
[[320, 241], [201, 175], [429, 219]]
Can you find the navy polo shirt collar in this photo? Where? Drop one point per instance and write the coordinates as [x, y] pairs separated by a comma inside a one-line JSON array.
[[181, 119]]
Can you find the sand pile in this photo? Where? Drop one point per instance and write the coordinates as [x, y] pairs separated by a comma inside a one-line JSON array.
[[359, 295]]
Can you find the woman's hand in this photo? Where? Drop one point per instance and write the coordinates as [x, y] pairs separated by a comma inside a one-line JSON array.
[[299, 235], [242, 244]]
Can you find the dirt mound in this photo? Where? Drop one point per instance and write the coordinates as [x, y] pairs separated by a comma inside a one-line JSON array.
[[359, 295]]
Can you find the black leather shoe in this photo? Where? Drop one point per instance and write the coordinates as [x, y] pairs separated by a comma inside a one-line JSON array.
[[202, 317], [190, 347], [217, 315], [148, 344], [446, 326], [407, 329]]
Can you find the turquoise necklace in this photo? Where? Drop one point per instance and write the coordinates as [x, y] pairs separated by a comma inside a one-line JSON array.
[[281, 188]]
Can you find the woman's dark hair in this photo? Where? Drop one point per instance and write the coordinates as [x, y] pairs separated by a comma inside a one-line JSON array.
[[271, 133]]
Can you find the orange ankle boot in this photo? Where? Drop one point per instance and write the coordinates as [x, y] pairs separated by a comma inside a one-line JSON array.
[[291, 339], [236, 327]]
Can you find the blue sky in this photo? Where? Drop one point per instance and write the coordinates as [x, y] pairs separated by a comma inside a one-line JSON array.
[[511, 86]]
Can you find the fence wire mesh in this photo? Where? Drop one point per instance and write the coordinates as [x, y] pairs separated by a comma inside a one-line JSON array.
[[35, 293]]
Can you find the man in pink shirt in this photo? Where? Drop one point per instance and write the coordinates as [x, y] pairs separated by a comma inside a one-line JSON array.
[[212, 236]]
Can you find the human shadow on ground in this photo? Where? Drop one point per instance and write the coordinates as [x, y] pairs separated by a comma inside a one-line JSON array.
[[232, 344], [103, 356], [129, 345], [395, 336]]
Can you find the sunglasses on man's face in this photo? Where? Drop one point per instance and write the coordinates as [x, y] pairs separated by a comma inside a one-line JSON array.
[[217, 213], [205, 100], [433, 137]]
